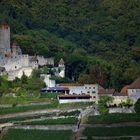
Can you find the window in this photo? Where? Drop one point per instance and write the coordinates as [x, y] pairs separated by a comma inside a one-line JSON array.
[[93, 92], [93, 87], [85, 87], [89, 87], [88, 92]]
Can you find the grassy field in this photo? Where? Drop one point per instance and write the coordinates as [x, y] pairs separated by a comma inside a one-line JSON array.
[[112, 131], [23, 118], [114, 118], [69, 120], [27, 108], [21, 100], [20, 134]]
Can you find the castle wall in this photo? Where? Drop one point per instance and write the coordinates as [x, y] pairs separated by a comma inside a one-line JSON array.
[[19, 72], [45, 61], [17, 62]]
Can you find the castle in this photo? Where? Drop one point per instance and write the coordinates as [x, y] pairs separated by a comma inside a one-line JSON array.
[[13, 62]]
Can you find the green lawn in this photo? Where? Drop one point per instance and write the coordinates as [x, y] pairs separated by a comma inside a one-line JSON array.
[[23, 118], [69, 120], [21, 134], [112, 131], [21, 100], [27, 108], [114, 118]]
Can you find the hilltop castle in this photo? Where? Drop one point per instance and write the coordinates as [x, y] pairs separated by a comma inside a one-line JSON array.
[[14, 63]]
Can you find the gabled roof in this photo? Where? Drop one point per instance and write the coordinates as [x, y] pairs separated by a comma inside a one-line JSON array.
[[135, 84], [61, 62], [103, 91], [124, 90]]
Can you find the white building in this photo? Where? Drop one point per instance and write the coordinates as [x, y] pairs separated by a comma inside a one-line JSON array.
[[48, 81], [134, 90], [86, 89]]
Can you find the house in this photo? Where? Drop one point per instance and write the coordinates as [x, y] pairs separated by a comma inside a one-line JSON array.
[[134, 90], [80, 89]]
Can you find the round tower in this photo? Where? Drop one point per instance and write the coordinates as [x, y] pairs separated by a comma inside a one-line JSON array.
[[5, 39]]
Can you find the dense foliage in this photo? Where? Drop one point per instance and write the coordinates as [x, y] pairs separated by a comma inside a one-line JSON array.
[[113, 131], [114, 118], [137, 106], [68, 120], [90, 35], [21, 134], [102, 105]]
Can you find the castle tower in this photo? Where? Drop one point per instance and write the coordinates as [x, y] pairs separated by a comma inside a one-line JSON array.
[[5, 49], [61, 67]]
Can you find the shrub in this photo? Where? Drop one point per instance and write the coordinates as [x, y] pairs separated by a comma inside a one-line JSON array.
[[137, 106]]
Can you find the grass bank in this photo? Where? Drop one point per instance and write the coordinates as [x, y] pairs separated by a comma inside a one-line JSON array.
[[112, 131], [21, 134], [114, 118], [27, 108], [69, 120]]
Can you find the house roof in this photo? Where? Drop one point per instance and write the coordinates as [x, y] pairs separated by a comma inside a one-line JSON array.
[[103, 91], [4, 25], [124, 90], [70, 84], [119, 94], [135, 84], [61, 62]]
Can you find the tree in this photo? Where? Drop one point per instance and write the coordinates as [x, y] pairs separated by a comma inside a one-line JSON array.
[[137, 106], [24, 79], [102, 105], [98, 74]]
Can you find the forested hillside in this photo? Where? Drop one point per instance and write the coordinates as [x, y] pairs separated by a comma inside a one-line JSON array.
[[98, 39]]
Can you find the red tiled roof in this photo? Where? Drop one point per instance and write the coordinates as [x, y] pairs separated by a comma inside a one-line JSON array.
[[124, 90], [135, 84]]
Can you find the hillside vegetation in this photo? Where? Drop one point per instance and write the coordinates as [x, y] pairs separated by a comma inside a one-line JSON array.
[[98, 39]]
